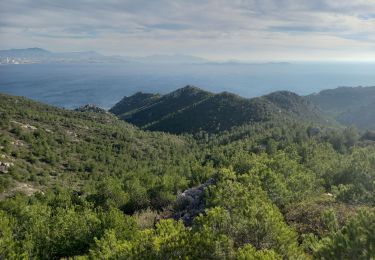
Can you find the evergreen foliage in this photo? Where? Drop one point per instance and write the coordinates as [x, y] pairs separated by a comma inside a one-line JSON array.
[[90, 186], [190, 109]]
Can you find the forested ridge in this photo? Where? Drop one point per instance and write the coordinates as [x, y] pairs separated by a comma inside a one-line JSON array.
[[191, 109], [86, 184]]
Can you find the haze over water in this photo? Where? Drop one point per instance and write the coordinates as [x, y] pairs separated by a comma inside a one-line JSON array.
[[73, 85]]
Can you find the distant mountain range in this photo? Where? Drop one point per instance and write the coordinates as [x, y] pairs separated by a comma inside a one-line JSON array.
[[348, 105], [191, 109], [38, 55]]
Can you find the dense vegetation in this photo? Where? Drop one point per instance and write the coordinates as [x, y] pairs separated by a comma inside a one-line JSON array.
[[190, 109], [350, 106], [88, 185]]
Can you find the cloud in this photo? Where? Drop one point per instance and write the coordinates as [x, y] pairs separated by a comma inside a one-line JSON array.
[[297, 28], [247, 29]]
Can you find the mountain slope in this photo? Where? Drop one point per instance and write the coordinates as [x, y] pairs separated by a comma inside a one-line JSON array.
[[349, 105], [191, 109], [363, 117], [134, 102], [45, 145], [150, 111]]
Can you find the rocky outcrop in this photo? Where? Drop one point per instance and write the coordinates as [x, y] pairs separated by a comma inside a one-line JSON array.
[[91, 108], [4, 166], [24, 126], [20, 187], [191, 202]]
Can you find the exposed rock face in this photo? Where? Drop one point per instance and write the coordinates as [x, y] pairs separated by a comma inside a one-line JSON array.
[[191, 202], [25, 126], [25, 188], [4, 166]]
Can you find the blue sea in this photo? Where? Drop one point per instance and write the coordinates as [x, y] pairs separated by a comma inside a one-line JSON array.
[[73, 85]]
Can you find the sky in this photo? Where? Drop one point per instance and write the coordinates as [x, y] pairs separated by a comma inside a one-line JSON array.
[[248, 30]]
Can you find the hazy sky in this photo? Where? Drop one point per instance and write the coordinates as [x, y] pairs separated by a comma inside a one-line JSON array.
[[260, 30]]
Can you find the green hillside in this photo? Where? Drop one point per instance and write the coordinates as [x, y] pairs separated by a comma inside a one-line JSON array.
[[86, 185], [348, 105], [191, 109], [134, 103], [51, 146], [142, 114], [363, 116]]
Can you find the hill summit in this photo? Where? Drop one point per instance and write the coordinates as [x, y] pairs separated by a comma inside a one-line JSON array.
[[191, 109]]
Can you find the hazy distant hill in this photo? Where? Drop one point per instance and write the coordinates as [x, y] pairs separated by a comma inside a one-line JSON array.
[[38, 52], [38, 55], [191, 109], [349, 105], [25, 53]]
